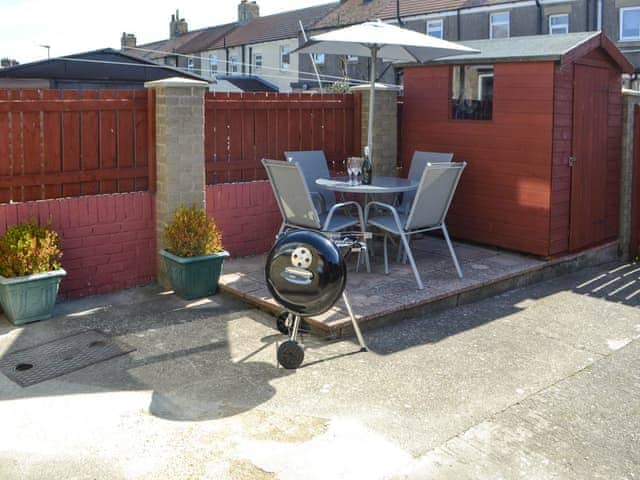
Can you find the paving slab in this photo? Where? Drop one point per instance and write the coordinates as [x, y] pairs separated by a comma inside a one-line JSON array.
[[516, 386]]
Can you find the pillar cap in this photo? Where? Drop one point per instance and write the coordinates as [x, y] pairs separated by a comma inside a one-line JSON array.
[[179, 82], [365, 87]]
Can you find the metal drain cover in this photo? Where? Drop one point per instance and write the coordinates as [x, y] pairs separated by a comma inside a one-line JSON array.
[[60, 356]]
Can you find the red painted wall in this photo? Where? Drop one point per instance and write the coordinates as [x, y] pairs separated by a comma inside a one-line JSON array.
[[108, 241], [246, 213], [504, 194]]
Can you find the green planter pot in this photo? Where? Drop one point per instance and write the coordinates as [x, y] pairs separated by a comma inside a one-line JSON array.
[[194, 277], [30, 298]]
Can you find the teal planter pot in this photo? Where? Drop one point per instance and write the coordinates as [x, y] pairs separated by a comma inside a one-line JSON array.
[[30, 298], [194, 277]]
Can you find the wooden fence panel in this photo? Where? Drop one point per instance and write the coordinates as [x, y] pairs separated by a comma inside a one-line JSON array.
[[60, 143], [242, 129]]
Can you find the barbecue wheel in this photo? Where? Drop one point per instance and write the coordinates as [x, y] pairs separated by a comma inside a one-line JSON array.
[[290, 354], [281, 323]]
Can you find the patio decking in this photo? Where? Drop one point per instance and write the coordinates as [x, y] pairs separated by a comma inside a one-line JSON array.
[[376, 296]]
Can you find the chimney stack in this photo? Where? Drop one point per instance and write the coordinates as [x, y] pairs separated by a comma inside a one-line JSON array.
[[128, 40], [247, 11], [177, 26]]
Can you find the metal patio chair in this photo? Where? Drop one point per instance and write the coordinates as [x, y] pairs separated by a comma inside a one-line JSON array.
[[313, 164], [428, 212], [298, 209], [418, 164]]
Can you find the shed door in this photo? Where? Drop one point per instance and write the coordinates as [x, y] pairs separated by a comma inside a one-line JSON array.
[[589, 172]]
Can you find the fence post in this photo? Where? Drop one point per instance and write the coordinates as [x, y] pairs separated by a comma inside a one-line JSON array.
[[630, 98], [180, 175], [385, 127]]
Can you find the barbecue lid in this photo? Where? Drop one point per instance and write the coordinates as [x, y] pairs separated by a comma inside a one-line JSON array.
[[305, 272]]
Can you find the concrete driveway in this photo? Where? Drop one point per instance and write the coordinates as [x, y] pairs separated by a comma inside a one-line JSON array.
[[537, 383]]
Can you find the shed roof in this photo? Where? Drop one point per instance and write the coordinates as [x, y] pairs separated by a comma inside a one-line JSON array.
[[563, 48], [104, 64]]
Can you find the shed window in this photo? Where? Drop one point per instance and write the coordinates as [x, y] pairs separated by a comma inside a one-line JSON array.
[[472, 92], [435, 28], [630, 23], [558, 24], [499, 25]]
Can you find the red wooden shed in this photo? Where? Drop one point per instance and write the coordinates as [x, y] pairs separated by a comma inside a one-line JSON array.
[[539, 121]]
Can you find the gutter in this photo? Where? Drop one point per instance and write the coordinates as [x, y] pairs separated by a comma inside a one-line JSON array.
[[539, 26]]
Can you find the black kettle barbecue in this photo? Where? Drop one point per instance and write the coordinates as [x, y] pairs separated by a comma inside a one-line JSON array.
[[306, 273]]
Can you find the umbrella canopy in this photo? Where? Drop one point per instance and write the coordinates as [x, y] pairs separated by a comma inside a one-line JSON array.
[[381, 40], [391, 43]]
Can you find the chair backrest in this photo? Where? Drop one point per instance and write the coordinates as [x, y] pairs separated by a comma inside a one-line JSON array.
[[420, 160], [418, 164], [292, 194], [434, 194], [313, 164]]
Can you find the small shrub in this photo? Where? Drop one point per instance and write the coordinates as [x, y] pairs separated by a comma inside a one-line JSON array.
[[29, 248], [192, 233]]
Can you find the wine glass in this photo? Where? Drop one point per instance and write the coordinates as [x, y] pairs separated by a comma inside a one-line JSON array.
[[351, 170]]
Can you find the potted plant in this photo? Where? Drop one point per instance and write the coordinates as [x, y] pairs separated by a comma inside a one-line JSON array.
[[30, 271], [194, 253]]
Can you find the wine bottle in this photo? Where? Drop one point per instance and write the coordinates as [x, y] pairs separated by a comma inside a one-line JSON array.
[[367, 169]]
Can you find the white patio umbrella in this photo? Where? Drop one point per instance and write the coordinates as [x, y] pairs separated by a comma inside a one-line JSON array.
[[381, 40]]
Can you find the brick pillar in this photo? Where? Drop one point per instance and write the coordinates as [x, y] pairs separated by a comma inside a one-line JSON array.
[[385, 127], [180, 174], [631, 98]]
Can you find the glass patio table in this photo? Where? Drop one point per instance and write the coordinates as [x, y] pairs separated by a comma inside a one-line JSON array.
[[379, 185]]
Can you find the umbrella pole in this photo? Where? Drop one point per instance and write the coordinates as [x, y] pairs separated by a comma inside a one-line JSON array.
[[372, 94]]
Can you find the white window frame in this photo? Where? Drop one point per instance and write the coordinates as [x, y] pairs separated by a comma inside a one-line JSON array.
[[285, 50], [497, 24], [234, 62], [482, 76], [566, 26], [213, 64], [352, 59], [440, 27], [257, 68], [622, 12], [319, 58]]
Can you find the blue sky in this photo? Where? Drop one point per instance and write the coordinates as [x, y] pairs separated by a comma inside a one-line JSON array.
[[72, 26]]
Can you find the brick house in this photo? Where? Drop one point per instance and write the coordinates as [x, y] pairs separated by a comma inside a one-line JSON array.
[[460, 20]]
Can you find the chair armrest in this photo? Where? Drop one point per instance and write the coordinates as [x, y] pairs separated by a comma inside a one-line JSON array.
[[343, 205], [384, 206]]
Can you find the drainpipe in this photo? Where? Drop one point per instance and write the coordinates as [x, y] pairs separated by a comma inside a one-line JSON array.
[[250, 60], [539, 27], [599, 17], [588, 17], [226, 53], [244, 62], [458, 26], [400, 21]]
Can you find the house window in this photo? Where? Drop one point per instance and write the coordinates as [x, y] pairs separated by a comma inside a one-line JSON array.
[[630, 23], [499, 25], [352, 58], [234, 67], [318, 58], [191, 65], [558, 24], [435, 28], [472, 92], [257, 62], [284, 58], [213, 64]]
